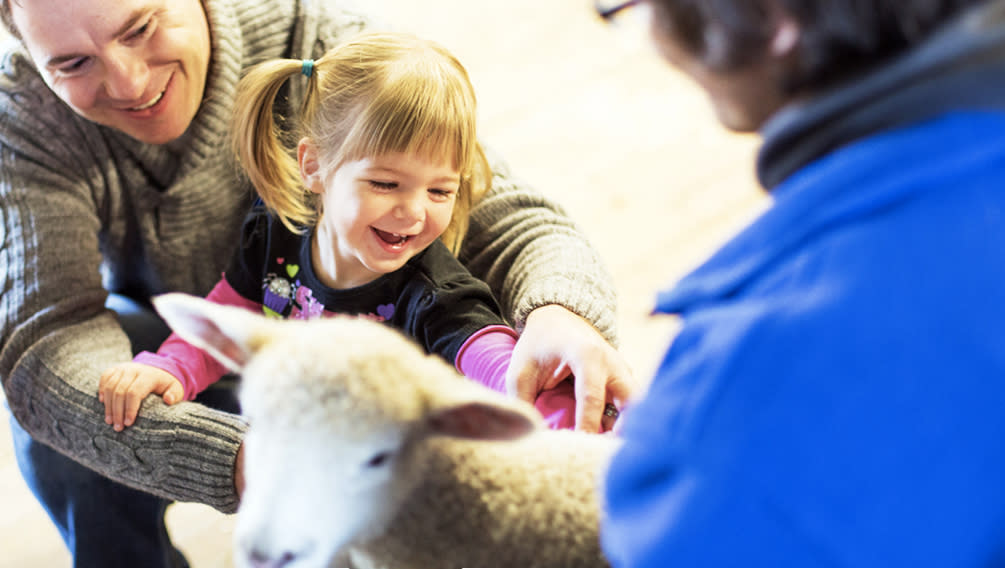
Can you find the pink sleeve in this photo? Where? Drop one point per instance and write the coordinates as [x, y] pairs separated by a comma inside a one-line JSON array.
[[193, 367], [485, 357]]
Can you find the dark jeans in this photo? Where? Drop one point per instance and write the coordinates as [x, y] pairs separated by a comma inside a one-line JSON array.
[[103, 523]]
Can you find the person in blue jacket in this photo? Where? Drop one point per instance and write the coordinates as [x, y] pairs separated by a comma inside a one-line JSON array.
[[836, 393]]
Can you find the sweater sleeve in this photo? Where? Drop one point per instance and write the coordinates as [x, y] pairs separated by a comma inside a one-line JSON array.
[[532, 254], [192, 366], [56, 336]]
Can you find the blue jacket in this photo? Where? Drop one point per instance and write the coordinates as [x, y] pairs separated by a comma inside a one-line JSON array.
[[836, 395]]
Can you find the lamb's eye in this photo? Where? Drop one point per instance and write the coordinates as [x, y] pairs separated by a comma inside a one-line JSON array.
[[378, 460]]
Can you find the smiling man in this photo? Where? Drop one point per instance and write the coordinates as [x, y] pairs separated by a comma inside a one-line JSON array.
[[137, 68]]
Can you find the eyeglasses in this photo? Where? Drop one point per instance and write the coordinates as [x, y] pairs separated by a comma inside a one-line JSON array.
[[607, 12]]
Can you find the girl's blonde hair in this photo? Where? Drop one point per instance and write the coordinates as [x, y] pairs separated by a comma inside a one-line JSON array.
[[375, 94]]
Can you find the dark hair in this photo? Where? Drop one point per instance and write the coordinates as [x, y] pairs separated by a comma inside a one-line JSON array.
[[838, 37], [8, 19]]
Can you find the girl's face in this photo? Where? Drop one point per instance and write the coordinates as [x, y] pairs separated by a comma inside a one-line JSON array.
[[138, 66], [377, 213]]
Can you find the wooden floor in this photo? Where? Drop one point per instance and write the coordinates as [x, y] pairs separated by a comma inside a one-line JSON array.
[[584, 112]]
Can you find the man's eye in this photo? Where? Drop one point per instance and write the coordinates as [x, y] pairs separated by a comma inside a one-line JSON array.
[[73, 66], [141, 31]]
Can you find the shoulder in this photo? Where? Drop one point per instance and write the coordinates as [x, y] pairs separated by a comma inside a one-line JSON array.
[[314, 27], [38, 130], [336, 21], [24, 96], [15, 67]]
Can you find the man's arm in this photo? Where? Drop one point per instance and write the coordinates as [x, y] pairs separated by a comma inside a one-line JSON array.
[[554, 287], [532, 254], [56, 336]]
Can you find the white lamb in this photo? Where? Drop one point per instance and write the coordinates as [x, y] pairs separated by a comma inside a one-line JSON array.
[[361, 449]]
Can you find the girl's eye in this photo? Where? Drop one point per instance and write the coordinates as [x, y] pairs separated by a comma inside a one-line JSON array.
[[383, 185], [441, 193]]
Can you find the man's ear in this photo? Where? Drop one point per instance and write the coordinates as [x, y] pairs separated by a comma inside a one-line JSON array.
[[310, 168], [786, 36]]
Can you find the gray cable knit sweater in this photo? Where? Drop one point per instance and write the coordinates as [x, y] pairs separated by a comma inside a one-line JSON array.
[[86, 209]]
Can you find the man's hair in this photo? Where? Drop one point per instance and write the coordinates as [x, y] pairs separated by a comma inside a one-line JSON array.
[[838, 37], [8, 19]]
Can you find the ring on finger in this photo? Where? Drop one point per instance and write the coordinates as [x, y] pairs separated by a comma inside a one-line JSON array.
[[611, 411]]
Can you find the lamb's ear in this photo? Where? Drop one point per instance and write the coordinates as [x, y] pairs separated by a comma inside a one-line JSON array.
[[483, 421], [229, 334]]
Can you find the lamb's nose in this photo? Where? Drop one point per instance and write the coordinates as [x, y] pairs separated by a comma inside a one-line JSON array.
[[259, 559]]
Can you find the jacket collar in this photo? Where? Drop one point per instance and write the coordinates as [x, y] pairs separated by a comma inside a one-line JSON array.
[[960, 66]]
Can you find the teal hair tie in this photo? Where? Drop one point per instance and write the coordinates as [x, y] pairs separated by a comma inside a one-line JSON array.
[[308, 67]]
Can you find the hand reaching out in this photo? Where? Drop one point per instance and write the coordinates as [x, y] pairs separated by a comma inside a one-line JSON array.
[[123, 387], [555, 343]]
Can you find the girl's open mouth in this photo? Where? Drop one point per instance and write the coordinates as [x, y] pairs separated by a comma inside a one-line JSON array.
[[395, 240]]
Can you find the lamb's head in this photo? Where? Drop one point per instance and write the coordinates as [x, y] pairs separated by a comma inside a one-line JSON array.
[[336, 408]]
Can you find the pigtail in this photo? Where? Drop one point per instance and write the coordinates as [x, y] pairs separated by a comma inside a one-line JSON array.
[[475, 183], [257, 142]]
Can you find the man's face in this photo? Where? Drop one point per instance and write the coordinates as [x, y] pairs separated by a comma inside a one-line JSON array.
[[138, 66]]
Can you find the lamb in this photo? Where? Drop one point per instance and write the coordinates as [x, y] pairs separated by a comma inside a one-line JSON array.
[[363, 450]]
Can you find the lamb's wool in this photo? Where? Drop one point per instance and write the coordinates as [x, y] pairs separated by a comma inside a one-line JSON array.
[[352, 453]]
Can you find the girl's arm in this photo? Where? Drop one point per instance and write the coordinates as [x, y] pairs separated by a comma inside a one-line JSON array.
[[193, 367], [485, 357]]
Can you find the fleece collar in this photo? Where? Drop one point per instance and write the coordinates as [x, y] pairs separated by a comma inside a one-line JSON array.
[[960, 67]]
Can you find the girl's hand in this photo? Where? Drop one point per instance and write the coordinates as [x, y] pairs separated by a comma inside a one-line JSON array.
[[557, 343], [123, 387]]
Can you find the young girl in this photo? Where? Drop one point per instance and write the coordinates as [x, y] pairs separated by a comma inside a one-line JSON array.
[[365, 220]]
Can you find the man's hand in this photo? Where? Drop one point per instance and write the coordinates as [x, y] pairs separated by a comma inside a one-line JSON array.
[[556, 343]]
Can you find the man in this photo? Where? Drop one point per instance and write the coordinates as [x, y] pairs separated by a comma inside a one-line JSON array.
[[835, 394]]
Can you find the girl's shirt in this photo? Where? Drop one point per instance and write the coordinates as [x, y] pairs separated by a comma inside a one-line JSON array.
[[433, 299]]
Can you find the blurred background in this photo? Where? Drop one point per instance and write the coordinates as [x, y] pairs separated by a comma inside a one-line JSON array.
[[588, 114]]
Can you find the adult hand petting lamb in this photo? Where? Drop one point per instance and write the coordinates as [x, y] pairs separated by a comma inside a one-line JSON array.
[[557, 343]]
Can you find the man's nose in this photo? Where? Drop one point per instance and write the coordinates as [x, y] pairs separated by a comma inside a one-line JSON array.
[[126, 76]]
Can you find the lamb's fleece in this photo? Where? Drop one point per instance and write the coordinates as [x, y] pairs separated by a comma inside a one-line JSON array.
[[362, 448]]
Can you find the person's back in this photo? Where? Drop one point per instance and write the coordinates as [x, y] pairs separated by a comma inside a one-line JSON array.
[[833, 397]]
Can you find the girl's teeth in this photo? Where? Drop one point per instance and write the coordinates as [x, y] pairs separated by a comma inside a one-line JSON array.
[[392, 238]]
